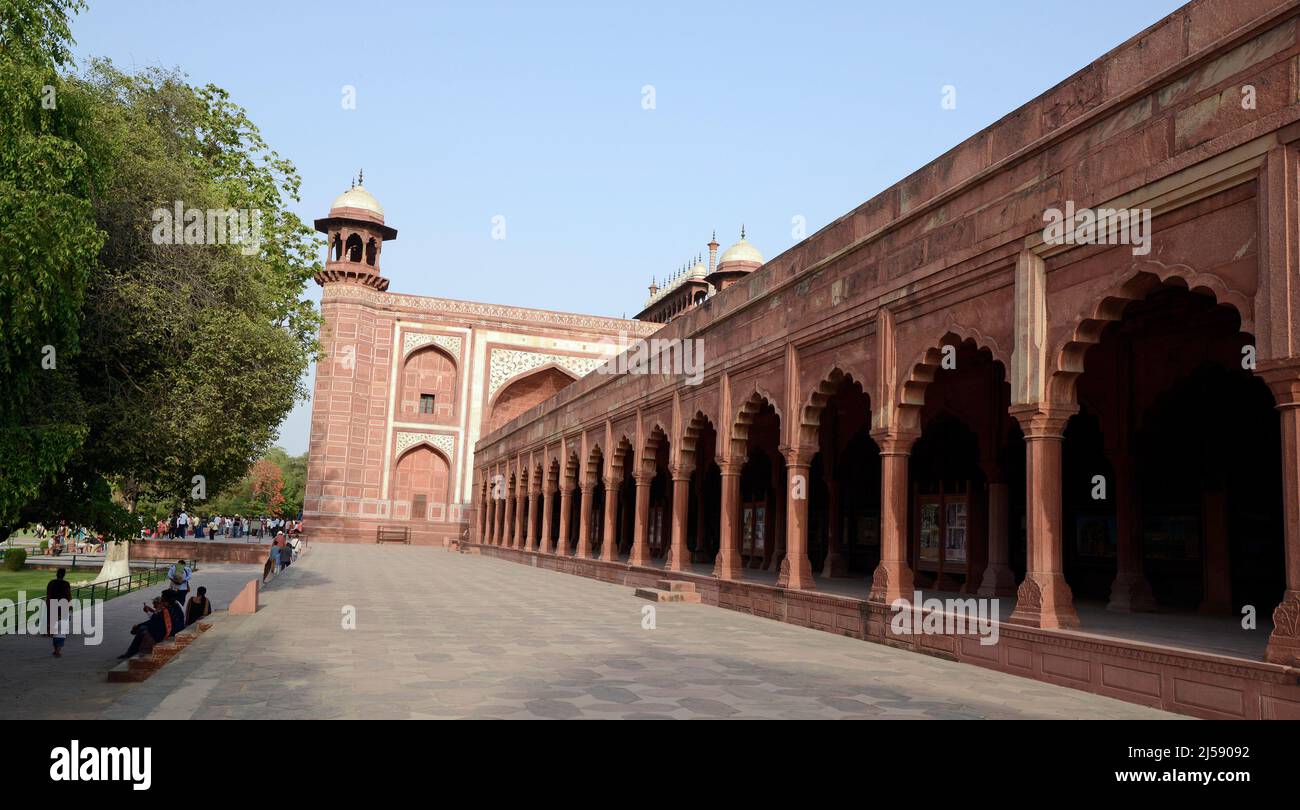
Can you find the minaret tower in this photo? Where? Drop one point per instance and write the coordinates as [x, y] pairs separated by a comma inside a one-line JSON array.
[[356, 230]]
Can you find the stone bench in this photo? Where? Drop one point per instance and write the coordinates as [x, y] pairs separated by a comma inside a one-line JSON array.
[[139, 667]]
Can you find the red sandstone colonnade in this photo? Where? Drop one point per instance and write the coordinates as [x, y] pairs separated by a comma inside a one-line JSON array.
[[934, 391]]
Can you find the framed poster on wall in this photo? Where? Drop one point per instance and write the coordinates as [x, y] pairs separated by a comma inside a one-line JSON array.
[[954, 547]]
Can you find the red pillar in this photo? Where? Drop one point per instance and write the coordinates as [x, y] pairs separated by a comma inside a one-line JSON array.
[[796, 571], [566, 508], [998, 579], [1284, 643], [507, 534], [517, 538], [548, 505], [727, 563], [892, 578], [1130, 591], [1044, 599], [530, 517], [835, 565], [681, 510], [584, 521], [609, 545], [641, 525]]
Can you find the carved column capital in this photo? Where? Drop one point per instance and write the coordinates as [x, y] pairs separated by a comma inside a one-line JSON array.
[[798, 455], [1043, 420], [895, 441]]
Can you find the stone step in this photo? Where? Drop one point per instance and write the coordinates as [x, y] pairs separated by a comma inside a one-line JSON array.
[[675, 585], [657, 595]]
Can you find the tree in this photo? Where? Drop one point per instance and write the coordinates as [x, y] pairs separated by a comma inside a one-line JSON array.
[[51, 241], [194, 353], [268, 487]]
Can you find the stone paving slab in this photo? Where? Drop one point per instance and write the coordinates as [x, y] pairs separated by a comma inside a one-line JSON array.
[[444, 635], [36, 685]]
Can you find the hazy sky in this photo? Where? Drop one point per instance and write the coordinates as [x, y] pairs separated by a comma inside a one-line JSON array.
[[762, 112]]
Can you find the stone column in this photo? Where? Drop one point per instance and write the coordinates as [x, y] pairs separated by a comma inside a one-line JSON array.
[[1130, 591], [530, 518], [509, 522], [796, 571], [701, 524], [639, 555], [548, 506], [499, 530], [727, 565], [998, 579], [681, 510], [517, 536], [609, 545], [892, 578], [478, 519], [1284, 643], [836, 565], [776, 539], [586, 493], [566, 508], [1044, 599], [1217, 569]]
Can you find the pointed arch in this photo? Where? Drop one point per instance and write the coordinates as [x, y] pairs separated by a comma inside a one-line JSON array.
[[1067, 359]]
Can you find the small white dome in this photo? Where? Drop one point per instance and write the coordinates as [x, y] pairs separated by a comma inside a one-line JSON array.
[[358, 197], [742, 251]]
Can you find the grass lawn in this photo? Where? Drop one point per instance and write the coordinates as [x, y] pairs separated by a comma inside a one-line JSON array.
[[11, 582], [34, 582]]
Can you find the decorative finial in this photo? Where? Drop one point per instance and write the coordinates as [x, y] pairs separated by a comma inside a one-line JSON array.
[[361, 177], [715, 235], [353, 183], [742, 230]]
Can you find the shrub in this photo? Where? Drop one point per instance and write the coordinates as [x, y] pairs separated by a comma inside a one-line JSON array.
[[15, 559], [45, 546]]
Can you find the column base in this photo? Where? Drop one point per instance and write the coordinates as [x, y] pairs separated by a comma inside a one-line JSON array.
[[1131, 593], [1044, 600], [1284, 643], [638, 555], [675, 562], [796, 574], [891, 580], [997, 581], [727, 565], [835, 566]]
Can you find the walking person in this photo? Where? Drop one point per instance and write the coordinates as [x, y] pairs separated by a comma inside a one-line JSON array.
[[272, 557], [58, 607]]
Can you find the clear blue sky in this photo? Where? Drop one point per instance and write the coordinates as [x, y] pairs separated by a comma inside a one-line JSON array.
[[533, 111]]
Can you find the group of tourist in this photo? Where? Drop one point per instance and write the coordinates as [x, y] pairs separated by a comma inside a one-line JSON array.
[[169, 612], [283, 551], [183, 525], [74, 539]]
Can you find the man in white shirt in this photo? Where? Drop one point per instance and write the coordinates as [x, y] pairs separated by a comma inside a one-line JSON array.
[[182, 524], [178, 576]]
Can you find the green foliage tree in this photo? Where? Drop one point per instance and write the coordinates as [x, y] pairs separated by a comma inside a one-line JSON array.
[[193, 353], [51, 240]]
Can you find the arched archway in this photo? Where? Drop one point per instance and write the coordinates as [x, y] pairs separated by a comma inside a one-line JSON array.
[[524, 392], [353, 247], [1182, 506], [752, 511], [421, 482], [844, 478]]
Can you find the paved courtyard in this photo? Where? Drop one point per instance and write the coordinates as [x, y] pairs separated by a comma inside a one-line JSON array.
[[443, 635]]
